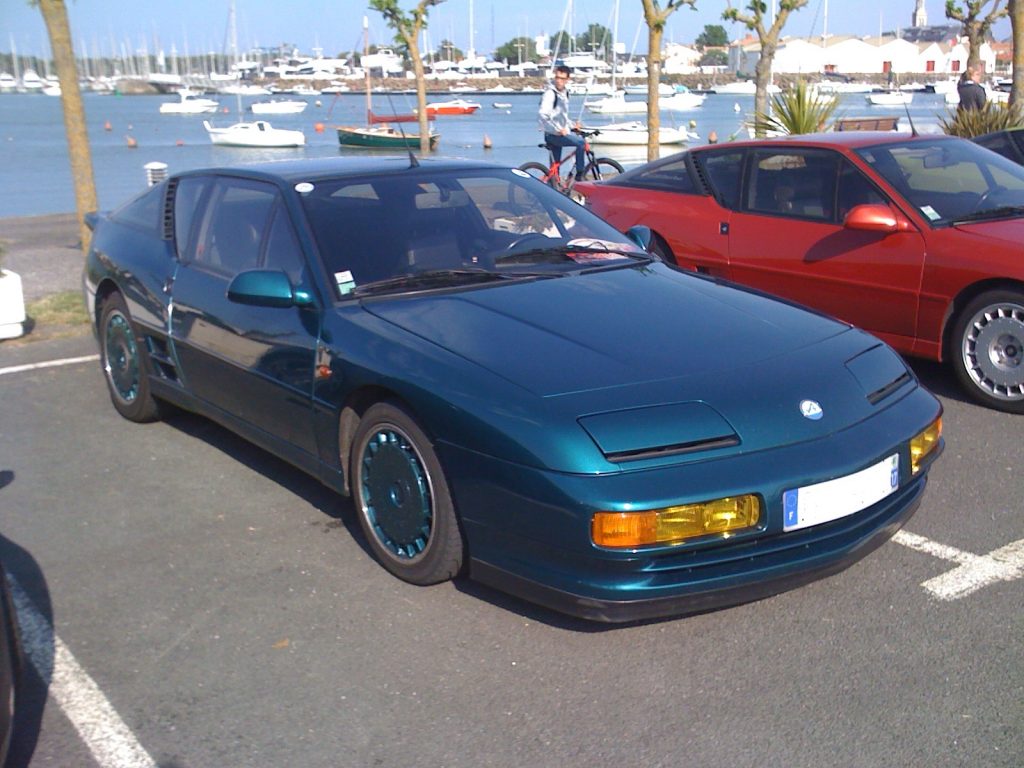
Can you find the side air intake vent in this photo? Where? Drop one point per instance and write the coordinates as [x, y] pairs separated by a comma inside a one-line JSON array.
[[168, 212]]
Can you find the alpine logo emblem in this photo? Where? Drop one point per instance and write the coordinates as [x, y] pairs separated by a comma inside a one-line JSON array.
[[811, 410]]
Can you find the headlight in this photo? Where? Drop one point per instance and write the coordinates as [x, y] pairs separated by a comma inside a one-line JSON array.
[[923, 444], [674, 525]]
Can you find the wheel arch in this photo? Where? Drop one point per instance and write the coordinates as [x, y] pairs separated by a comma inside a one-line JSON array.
[[349, 416], [104, 290], [965, 297]]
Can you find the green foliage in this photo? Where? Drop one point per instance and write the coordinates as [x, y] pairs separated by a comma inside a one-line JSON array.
[[597, 38], [516, 49], [714, 58], [968, 123], [798, 110], [713, 36], [971, 11]]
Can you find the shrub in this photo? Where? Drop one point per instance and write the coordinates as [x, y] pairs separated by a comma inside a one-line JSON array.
[[798, 110], [968, 123]]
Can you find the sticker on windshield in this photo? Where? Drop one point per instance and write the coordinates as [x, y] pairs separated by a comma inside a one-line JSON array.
[[345, 282], [930, 212], [517, 172], [304, 187]]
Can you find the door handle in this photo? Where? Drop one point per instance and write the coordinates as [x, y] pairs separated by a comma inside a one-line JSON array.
[[723, 228]]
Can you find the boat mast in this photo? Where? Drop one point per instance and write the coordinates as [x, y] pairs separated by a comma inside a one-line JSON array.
[[366, 69]]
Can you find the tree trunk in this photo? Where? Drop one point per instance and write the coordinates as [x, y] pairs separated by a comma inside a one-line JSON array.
[[762, 77], [1017, 26], [654, 33], [421, 95], [975, 39], [55, 16]]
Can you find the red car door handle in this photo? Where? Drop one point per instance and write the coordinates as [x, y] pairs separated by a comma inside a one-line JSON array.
[[723, 228]]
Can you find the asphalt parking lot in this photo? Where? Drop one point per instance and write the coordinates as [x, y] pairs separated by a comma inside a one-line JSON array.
[[189, 600]]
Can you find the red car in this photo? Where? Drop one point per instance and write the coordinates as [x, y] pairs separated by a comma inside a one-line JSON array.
[[918, 239]]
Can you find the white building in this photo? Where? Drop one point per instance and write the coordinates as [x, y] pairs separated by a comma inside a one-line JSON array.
[[680, 59]]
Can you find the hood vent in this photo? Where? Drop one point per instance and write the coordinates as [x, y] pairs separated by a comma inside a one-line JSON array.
[[659, 430], [880, 372]]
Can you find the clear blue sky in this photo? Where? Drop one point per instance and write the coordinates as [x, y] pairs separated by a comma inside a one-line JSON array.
[[335, 25]]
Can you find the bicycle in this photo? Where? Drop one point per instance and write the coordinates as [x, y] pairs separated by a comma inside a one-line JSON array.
[[596, 168]]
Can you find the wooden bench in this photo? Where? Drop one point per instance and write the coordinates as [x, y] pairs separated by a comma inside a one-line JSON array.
[[867, 123]]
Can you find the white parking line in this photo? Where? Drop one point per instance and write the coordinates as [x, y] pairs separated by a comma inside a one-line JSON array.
[[972, 572], [107, 737], [49, 364]]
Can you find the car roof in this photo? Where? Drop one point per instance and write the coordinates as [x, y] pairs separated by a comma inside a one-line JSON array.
[[850, 139], [291, 171]]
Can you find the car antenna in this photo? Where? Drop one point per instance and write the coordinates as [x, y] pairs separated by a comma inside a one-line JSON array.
[[413, 162], [913, 128]]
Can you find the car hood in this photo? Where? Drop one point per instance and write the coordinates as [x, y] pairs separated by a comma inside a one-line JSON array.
[[1004, 232], [648, 359], [607, 329]]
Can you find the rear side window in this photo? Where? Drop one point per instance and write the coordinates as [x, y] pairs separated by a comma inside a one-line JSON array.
[[672, 176], [723, 172], [186, 202], [144, 211], [236, 216]]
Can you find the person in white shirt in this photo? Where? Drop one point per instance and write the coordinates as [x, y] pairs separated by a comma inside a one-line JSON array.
[[555, 122]]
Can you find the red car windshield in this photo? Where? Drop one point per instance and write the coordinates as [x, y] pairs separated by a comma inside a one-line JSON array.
[[950, 180]]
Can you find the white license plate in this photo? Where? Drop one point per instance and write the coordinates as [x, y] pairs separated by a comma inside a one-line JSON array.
[[833, 499]]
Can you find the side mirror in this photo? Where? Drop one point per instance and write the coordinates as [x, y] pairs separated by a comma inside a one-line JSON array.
[[266, 288], [874, 218], [641, 235]]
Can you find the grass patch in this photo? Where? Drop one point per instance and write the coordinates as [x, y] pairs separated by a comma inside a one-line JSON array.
[[65, 308]]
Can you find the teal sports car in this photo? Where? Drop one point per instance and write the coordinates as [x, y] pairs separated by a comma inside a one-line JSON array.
[[506, 386]]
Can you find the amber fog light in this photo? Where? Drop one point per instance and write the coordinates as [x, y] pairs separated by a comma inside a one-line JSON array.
[[673, 525], [923, 444]]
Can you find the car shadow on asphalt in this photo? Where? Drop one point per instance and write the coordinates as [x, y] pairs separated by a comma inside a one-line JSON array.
[[341, 513], [937, 379]]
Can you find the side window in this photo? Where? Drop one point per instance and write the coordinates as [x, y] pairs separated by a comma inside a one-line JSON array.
[[797, 183], [236, 216], [186, 202], [854, 189], [282, 249], [144, 211], [722, 171], [671, 176]]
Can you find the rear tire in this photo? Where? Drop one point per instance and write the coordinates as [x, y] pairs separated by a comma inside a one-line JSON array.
[[986, 350], [126, 365], [538, 172]]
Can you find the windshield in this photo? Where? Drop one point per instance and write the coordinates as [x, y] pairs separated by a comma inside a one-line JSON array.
[[423, 230], [950, 180]]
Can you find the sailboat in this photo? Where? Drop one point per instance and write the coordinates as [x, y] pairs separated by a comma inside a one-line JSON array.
[[378, 131]]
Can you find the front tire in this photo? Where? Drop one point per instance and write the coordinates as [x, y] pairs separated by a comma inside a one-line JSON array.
[[125, 363], [402, 498], [603, 168], [987, 350]]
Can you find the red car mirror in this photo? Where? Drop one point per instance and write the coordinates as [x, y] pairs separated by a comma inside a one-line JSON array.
[[873, 218]]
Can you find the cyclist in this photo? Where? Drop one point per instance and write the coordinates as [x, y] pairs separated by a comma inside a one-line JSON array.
[[554, 120]]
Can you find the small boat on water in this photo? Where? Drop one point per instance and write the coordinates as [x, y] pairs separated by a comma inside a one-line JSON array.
[[278, 107], [502, 105], [255, 134], [382, 136], [452, 107], [889, 98], [635, 133], [189, 103], [616, 104], [682, 101]]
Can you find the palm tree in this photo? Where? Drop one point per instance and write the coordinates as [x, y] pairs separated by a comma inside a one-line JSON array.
[[55, 15], [796, 111], [655, 16], [407, 28]]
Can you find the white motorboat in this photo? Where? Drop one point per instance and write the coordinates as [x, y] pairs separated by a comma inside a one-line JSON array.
[[640, 89], [189, 104], [748, 87], [889, 98], [635, 133], [278, 107], [682, 101], [616, 104], [244, 89], [258, 133]]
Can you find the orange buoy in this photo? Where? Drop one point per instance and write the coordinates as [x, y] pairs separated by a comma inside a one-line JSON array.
[[225, 110], [318, 127], [106, 126], [487, 141], [179, 143], [132, 143]]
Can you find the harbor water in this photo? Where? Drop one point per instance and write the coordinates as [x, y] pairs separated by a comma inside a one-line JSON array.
[[35, 176]]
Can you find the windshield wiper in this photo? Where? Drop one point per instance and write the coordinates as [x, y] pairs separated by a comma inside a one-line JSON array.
[[534, 255], [1001, 212], [434, 278]]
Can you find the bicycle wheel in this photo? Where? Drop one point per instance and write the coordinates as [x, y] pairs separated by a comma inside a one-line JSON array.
[[538, 171], [602, 168]]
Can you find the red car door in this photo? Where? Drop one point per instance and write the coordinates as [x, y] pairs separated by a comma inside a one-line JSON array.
[[787, 238]]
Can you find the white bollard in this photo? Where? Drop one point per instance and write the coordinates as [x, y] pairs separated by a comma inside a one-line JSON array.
[[155, 172]]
